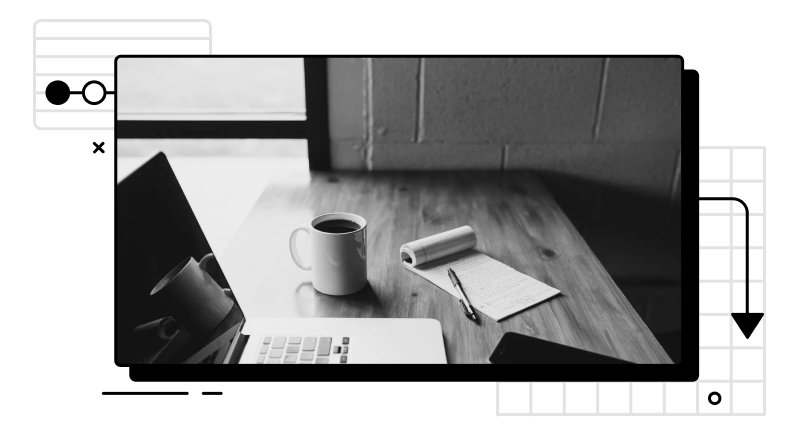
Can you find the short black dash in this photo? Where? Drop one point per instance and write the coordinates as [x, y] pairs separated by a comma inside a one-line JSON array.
[[145, 393], [212, 393]]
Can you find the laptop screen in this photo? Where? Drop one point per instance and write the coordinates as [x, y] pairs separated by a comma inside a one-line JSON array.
[[171, 298]]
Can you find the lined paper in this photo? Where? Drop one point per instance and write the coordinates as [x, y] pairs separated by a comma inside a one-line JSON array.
[[492, 287]]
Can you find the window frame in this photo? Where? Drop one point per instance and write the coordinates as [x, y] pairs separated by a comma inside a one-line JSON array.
[[314, 129]]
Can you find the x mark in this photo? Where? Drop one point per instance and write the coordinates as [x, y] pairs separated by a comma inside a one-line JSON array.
[[98, 147]]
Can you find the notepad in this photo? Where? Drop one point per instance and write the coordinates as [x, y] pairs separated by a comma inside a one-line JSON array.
[[492, 287]]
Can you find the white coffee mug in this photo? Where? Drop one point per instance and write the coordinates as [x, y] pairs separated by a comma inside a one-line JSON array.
[[338, 253]]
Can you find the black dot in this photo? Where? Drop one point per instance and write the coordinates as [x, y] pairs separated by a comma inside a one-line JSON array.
[[57, 92], [714, 398]]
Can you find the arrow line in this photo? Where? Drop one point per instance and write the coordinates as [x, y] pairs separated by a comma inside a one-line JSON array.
[[746, 246]]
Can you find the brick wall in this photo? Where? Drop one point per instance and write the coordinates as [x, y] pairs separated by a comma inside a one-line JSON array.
[[613, 121]]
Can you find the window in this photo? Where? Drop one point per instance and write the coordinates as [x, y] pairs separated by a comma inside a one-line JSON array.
[[206, 105]]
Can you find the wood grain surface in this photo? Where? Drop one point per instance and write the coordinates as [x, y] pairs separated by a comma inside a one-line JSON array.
[[516, 221]]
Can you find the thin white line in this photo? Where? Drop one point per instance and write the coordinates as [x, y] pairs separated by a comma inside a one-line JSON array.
[[74, 110], [734, 148], [732, 247], [735, 214], [123, 20], [73, 74], [370, 117], [764, 270], [530, 398], [419, 133], [631, 414], [735, 181], [121, 38], [730, 285], [74, 128], [75, 56], [697, 398], [630, 398], [497, 400], [596, 397], [737, 381], [729, 347]]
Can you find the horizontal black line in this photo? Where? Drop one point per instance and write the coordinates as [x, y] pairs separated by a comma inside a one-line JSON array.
[[146, 393], [296, 129], [212, 393]]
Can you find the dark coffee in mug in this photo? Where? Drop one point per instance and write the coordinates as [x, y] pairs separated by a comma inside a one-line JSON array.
[[337, 226]]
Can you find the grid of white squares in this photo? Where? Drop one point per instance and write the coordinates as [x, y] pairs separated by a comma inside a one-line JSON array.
[[732, 368]]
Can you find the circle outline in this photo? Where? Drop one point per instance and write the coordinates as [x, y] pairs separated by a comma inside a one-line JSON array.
[[719, 398], [83, 92]]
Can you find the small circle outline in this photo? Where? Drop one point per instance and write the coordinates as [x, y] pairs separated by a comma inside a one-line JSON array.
[[91, 82], [712, 394]]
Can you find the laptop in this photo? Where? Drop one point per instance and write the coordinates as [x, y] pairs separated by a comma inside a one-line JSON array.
[[156, 230]]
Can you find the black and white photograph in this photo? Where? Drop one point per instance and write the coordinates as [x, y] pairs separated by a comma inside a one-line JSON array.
[[398, 210]]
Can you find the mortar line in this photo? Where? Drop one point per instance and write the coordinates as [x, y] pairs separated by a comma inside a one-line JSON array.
[[369, 115], [419, 127], [601, 97]]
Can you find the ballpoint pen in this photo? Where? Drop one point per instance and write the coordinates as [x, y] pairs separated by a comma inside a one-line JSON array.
[[469, 311]]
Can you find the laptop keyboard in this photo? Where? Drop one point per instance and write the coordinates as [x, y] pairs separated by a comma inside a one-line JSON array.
[[303, 350]]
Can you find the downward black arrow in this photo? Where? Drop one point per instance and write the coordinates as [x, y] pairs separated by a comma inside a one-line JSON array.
[[746, 321]]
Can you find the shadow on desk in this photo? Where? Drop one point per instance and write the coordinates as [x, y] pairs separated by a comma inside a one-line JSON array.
[[637, 237]]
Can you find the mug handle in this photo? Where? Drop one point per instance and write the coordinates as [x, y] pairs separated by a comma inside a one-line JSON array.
[[293, 248], [204, 261]]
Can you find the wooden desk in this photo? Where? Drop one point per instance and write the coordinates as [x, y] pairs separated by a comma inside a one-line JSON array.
[[516, 220]]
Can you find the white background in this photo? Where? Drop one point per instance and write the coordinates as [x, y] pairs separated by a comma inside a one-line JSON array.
[[57, 219]]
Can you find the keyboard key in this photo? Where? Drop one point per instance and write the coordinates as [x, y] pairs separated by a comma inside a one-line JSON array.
[[324, 348], [343, 359], [293, 349], [276, 353], [307, 356], [346, 340], [290, 359], [266, 340], [264, 349], [309, 343], [295, 340], [337, 349], [322, 361], [260, 359], [278, 342], [345, 349], [273, 361]]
